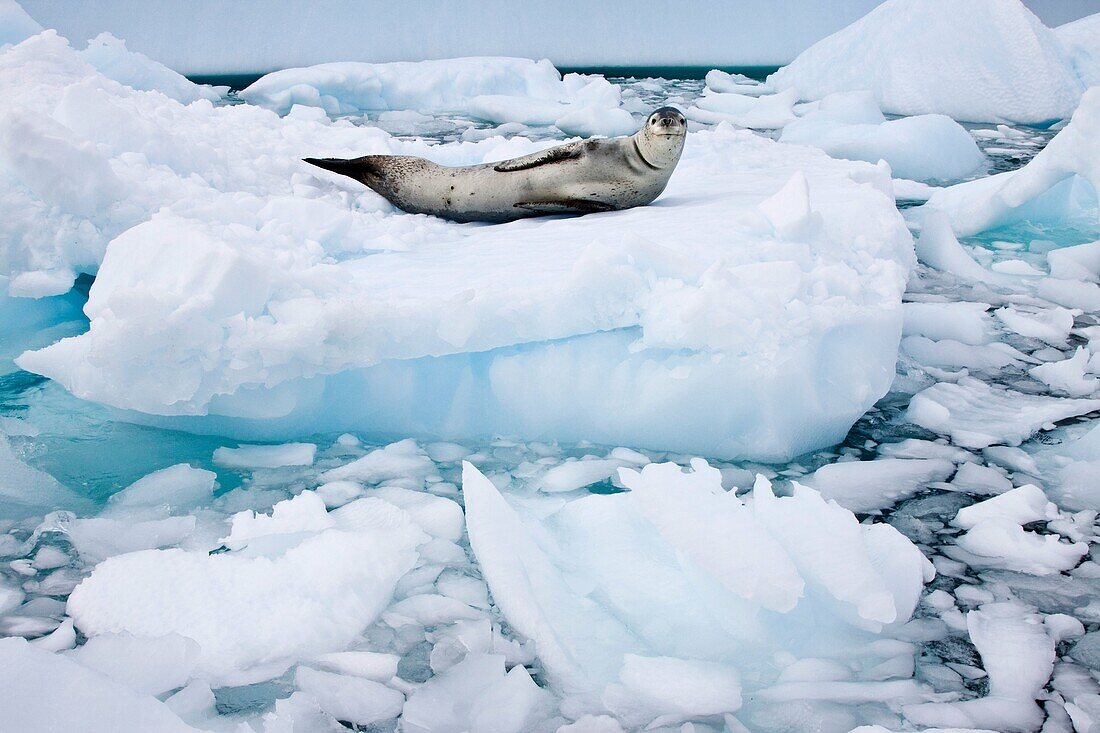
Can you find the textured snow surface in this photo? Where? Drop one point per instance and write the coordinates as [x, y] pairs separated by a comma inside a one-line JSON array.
[[264, 289], [977, 60], [1082, 40]]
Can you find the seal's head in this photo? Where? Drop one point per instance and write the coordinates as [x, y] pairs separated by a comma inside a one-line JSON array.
[[661, 139]]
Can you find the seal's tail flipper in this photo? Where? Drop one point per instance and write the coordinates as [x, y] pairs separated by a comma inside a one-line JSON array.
[[361, 169]]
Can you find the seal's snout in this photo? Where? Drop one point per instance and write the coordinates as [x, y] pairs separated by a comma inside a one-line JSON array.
[[667, 121]]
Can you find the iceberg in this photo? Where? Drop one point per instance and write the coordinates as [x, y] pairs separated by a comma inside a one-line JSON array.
[[974, 60], [238, 291]]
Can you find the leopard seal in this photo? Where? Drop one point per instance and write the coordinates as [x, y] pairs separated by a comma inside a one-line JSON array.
[[582, 177]]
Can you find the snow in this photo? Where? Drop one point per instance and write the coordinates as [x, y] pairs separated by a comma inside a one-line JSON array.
[[984, 61], [322, 605], [926, 147], [111, 58], [300, 291]]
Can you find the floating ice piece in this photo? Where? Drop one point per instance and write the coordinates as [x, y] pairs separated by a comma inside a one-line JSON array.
[[375, 666], [725, 82], [677, 567], [975, 478], [353, 699], [111, 58], [40, 691], [573, 475], [179, 486], [1018, 656], [765, 112], [1051, 325], [909, 53], [444, 85], [329, 587], [1019, 506], [1080, 262], [1081, 39], [926, 147], [948, 353], [1060, 182], [26, 491], [997, 539], [476, 695], [150, 665], [97, 538], [976, 415], [966, 322], [1068, 375], [1083, 296], [404, 460], [266, 456], [938, 247], [863, 486], [15, 24]]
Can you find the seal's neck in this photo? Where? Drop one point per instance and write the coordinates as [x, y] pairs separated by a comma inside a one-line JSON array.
[[658, 151]]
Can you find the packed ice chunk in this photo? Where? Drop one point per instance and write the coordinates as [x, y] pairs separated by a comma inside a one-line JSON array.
[[1018, 656], [1081, 38], [476, 695], [976, 415], [328, 588], [111, 58], [922, 148], [863, 486], [40, 690], [266, 456], [1060, 182], [299, 321], [684, 581], [353, 699], [1069, 375], [151, 665], [177, 487], [790, 212], [909, 53], [1076, 464]]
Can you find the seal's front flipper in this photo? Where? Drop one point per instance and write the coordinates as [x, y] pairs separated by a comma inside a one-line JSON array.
[[534, 160], [565, 206]]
